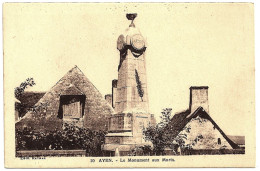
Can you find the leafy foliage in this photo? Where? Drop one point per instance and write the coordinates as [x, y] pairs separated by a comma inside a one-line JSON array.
[[19, 90], [165, 118], [145, 150], [161, 135], [70, 138], [156, 134]]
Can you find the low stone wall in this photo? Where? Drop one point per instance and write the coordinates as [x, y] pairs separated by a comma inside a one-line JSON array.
[[49, 153], [213, 152]]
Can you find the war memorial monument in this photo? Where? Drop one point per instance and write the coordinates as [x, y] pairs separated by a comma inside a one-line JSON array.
[[130, 97]]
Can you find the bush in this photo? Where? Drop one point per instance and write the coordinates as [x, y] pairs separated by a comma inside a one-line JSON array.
[[70, 138], [145, 150]]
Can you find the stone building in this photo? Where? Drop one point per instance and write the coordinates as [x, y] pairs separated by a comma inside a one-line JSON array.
[[130, 97], [74, 100], [201, 130]]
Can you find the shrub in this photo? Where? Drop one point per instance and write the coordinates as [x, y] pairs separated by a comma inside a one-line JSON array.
[[70, 138]]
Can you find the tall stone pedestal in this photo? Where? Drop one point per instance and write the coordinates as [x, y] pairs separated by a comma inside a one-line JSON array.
[[126, 132], [130, 98]]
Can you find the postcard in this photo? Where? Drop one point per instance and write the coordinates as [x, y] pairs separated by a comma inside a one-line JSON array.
[[109, 85]]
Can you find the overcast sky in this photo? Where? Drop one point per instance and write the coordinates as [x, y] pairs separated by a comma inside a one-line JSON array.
[[187, 45]]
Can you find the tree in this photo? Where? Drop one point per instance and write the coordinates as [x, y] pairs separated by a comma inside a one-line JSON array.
[[164, 134], [157, 134], [18, 91], [165, 118]]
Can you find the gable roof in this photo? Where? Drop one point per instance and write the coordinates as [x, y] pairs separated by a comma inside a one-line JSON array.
[[180, 120], [74, 82], [239, 140]]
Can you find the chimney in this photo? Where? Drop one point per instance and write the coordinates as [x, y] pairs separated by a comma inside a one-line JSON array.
[[199, 98], [114, 88]]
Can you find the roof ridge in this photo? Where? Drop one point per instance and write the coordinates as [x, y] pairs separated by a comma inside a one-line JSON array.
[[191, 114], [72, 69]]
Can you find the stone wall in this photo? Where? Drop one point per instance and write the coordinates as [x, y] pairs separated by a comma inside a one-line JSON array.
[[121, 122], [203, 135]]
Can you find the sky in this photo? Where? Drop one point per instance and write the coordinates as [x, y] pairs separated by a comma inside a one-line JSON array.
[[188, 44]]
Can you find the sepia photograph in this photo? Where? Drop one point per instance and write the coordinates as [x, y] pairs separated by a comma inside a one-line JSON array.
[[129, 85]]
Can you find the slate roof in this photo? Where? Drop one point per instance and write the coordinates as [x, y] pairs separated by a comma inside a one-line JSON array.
[[180, 120], [27, 100], [30, 98]]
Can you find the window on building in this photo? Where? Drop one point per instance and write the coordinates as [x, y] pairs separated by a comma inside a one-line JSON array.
[[219, 141], [71, 106]]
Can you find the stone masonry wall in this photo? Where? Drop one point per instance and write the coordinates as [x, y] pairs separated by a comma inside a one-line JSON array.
[[203, 135]]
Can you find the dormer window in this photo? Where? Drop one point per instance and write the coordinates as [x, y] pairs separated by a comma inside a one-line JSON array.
[[71, 106]]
